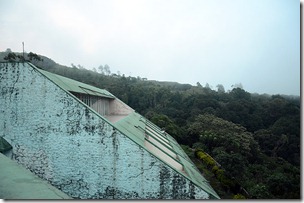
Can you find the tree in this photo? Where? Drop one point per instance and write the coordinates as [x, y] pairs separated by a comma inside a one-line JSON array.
[[11, 57], [260, 191], [230, 143], [167, 124], [101, 69], [107, 69], [239, 93], [32, 56], [237, 85], [73, 66], [207, 86], [279, 184], [80, 67], [220, 88]]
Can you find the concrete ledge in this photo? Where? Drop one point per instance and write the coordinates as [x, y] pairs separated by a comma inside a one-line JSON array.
[[19, 183]]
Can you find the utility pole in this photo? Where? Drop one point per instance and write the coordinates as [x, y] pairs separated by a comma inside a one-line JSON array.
[[23, 51]]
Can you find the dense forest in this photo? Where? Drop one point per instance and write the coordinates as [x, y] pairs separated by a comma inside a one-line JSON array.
[[246, 145]]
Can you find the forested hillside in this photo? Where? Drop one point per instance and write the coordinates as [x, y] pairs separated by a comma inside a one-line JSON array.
[[247, 145]]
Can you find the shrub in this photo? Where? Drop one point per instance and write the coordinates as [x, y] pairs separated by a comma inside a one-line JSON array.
[[219, 173], [215, 169], [238, 196], [207, 159]]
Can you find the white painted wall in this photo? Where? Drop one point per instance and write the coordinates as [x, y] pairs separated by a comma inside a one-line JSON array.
[[62, 141]]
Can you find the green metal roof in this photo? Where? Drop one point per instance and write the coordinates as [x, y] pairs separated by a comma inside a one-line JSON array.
[[75, 86]]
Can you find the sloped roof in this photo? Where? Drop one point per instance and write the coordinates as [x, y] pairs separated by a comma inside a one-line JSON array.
[[75, 86], [139, 129]]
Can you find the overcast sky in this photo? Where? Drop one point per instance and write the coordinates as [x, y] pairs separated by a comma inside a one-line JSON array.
[[253, 42]]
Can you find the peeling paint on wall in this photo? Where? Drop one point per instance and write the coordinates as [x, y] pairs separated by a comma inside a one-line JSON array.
[[62, 141]]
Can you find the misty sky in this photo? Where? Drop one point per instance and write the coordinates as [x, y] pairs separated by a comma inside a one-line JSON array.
[[253, 42]]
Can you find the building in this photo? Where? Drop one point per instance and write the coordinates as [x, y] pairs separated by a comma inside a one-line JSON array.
[[87, 143]]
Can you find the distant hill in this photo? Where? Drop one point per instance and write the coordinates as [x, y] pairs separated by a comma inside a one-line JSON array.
[[50, 65]]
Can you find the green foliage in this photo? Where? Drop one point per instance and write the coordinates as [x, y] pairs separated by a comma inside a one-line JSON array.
[[206, 158], [11, 57], [260, 191], [239, 196], [32, 56], [188, 151], [199, 145], [167, 124], [215, 169], [215, 133], [226, 181]]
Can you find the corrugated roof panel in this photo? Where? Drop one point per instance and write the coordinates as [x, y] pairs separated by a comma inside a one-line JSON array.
[[75, 86], [132, 127]]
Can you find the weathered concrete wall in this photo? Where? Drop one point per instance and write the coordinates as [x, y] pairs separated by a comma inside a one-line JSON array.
[[62, 141]]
